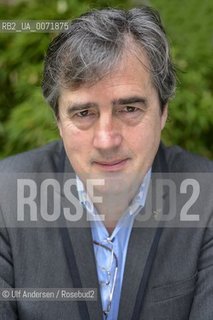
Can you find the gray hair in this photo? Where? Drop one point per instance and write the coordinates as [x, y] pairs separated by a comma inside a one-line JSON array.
[[94, 44]]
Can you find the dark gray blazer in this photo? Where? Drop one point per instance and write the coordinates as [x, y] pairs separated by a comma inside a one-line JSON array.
[[180, 284]]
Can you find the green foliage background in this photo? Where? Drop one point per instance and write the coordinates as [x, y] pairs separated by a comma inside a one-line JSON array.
[[27, 122]]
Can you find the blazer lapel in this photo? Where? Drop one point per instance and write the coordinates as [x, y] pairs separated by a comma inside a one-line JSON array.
[[138, 250], [80, 239], [140, 243]]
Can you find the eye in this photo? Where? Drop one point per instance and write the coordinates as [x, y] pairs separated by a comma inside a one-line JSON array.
[[130, 109], [83, 114], [86, 113], [130, 114], [84, 118]]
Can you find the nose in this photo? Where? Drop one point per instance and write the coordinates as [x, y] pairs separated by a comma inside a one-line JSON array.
[[107, 133]]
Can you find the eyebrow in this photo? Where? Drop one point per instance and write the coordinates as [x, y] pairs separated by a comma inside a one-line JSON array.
[[73, 107], [131, 100]]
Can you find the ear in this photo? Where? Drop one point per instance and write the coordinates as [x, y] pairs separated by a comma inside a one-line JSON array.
[[164, 116]]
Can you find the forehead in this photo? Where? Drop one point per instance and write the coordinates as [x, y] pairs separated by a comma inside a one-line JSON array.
[[130, 76]]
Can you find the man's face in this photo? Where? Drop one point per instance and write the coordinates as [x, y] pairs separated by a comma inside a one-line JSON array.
[[111, 130]]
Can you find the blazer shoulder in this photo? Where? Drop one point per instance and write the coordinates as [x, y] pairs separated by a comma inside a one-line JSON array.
[[180, 160], [43, 159]]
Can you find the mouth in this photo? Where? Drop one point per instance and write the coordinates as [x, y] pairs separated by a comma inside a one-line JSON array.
[[115, 165]]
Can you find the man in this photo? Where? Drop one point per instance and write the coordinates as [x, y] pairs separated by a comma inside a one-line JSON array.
[[109, 78]]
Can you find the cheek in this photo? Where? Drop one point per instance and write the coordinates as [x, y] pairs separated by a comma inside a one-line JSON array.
[[145, 136], [75, 141]]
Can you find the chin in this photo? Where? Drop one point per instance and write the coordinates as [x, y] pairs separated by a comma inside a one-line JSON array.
[[115, 185]]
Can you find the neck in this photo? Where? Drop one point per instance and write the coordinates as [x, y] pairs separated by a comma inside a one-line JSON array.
[[112, 209], [112, 205]]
